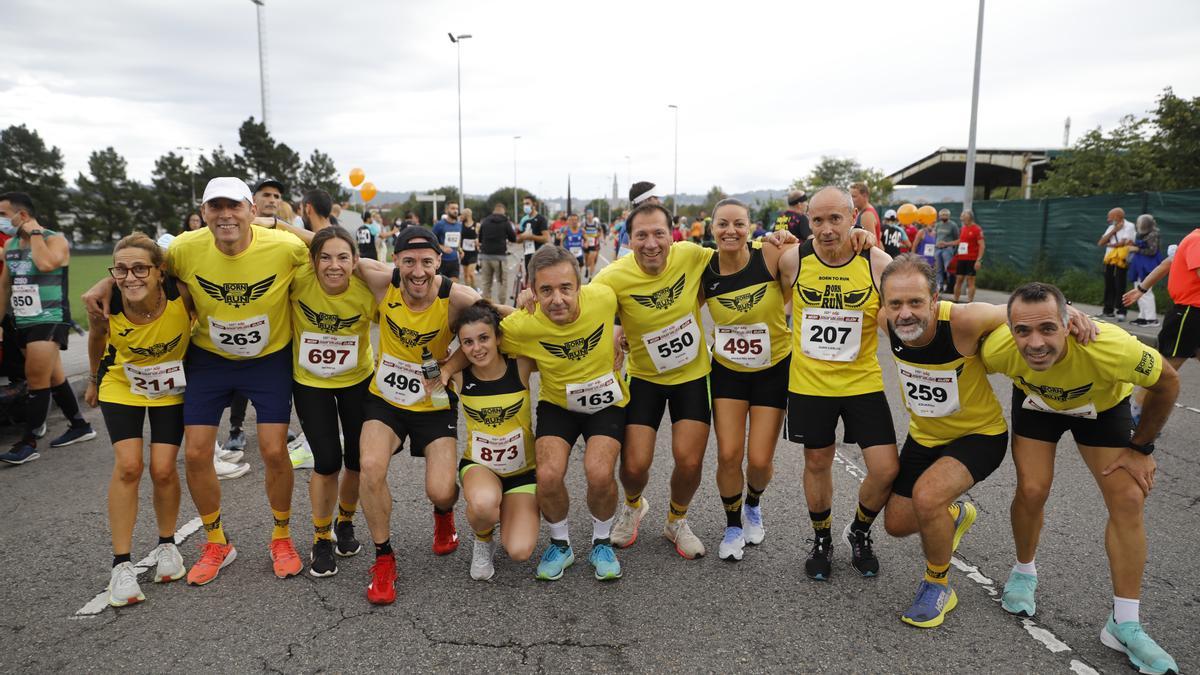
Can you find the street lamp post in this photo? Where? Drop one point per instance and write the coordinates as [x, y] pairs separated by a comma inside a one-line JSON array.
[[675, 187], [969, 188], [262, 60], [457, 40], [515, 200]]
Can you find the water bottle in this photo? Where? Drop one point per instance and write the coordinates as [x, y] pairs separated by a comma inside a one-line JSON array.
[[432, 371]]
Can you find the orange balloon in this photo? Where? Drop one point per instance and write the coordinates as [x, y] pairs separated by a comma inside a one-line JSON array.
[[927, 215], [906, 214], [367, 191], [356, 176]]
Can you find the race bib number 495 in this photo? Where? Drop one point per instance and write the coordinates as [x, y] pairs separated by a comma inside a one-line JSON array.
[[746, 345], [247, 337], [831, 334]]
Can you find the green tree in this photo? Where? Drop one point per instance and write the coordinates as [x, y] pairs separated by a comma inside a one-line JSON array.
[[172, 194], [262, 157], [505, 196], [715, 194], [320, 173], [1176, 140], [841, 172], [105, 201], [1123, 160], [218, 163], [27, 165]]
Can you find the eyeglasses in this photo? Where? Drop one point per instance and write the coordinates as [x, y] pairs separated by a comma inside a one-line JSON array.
[[139, 271]]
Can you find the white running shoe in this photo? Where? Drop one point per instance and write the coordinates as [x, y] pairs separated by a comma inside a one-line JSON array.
[[169, 564], [227, 470], [123, 587], [481, 559], [300, 454], [687, 544], [752, 525], [231, 456], [625, 528], [733, 545]]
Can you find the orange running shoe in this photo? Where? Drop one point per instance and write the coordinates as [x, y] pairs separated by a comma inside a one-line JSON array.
[[286, 560], [213, 557], [445, 536], [382, 589]]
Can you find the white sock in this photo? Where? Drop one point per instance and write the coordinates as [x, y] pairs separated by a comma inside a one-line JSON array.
[[559, 531], [601, 529], [1026, 568], [1125, 609]]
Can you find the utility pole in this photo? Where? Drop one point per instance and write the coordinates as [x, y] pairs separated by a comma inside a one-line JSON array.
[[675, 188], [969, 188], [457, 40], [262, 59]]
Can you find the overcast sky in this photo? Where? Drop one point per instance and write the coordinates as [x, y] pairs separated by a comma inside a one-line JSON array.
[[763, 88]]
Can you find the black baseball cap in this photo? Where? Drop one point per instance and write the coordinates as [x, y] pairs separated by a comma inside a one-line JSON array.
[[404, 240], [270, 182]]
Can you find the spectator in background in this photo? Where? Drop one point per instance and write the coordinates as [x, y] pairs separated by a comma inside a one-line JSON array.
[[448, 231], [1116, 241], [794, 218], [1145, 255], [910, 231], [316, 210], [946, 246], [868, 217], [496, 231], [895, 240], [470, 247], [680, 231], [365, 238], [336, 210], [970, 255], [697, 231], [192, 222], [924, 244], [759, 231]]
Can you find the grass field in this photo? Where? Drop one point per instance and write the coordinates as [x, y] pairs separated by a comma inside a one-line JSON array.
[[86, 269]]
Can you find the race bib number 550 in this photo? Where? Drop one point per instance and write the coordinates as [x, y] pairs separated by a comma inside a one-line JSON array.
[[673, 346]]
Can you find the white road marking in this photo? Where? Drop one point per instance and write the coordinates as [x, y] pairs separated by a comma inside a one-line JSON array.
[[1082, 668], [100, 602], [1044, 636]]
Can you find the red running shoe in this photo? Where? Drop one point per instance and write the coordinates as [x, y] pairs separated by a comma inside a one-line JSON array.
[[213, 557], [382, 589], [445, 536]]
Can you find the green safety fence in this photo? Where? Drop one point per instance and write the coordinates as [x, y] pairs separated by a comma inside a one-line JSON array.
[[1063, 231]]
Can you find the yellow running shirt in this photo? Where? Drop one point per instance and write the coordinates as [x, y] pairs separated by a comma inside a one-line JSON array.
[[403, 333], [143, 364], [1089, 379], [331, 334], [833, 327], [660, 314], [947, 394], [242, 306], [751, 331], [499, 422], [576, 360]]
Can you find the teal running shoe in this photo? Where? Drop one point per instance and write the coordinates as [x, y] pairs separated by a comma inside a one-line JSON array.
[[1143, 652], [604, 559], [1019, 593], [556, 558]]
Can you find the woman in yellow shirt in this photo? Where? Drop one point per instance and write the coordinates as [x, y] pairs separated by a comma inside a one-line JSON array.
[[136, 358]]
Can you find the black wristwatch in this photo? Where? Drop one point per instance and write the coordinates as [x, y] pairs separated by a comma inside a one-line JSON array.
[[36, 233], [1146, 449]]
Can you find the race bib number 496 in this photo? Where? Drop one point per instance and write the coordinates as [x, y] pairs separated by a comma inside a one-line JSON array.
[[400, 382], [247, 337]]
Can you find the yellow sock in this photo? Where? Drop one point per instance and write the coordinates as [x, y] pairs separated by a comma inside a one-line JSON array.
[[937, 574], [954, 511], [677, 512], [633, 501], [346, 512], [213, 528], [485, 536], [282, 518], [322, 529]]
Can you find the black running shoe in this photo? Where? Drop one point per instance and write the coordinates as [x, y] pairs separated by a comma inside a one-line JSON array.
[[347, 545], [862, 558], [820, 560], [322, 563]]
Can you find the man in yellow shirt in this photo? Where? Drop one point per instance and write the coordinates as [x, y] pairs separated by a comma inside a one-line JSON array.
[[1061, 386]]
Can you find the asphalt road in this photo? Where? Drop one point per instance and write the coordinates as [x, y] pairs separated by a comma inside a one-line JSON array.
[[666, 614]]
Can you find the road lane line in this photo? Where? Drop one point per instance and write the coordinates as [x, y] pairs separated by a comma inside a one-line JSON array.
[[100, 602]]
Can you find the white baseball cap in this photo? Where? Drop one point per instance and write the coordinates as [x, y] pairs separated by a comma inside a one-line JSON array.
[[229, 188], [891, 213]]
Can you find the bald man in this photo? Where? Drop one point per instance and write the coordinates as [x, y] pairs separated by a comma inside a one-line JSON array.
[[1119, 235]]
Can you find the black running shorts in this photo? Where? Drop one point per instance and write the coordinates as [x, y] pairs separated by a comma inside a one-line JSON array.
[[569, 425], [1112, 428], [44, 332], [980, 454], [812, 420], [965, 268], [647, 401], [1179, 336], [420, 428], [125, 422], [767, 387]]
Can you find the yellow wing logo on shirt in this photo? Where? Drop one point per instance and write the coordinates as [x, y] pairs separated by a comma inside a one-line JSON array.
[[576, 349], [834, 298], [409, 337], [157, 350], [494, 416], [744, 302], [663, 297], [1057, 393], [329, 323], [236, 295]]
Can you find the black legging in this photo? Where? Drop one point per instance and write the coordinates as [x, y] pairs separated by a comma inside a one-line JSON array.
[[319, 411], [1114, 288]]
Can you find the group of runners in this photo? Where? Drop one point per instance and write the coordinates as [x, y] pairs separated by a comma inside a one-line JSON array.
[[283, 314]]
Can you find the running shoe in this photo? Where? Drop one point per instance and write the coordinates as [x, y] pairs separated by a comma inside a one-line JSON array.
[[445, 535], [966, 518], [74, 434], [862, 557], [321, 560], [40, 431], [732, 545], [482, 568], [21, 452], [555, 559], [604, 560], [284, 558], [1143, 652], [227, 470], [123, 587], [1019, 593], [1105, 315], [168, 564], [300, 454], [752, 525], [347, 544], [382, 589], [236, 440], [625, 529], [819, 565], [213, 557], [687, 544], [933, 603]]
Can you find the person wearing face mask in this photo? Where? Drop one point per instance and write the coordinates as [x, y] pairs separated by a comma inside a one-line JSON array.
[[1144, 256], [33, 285], [448, 231], [534, 231]]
